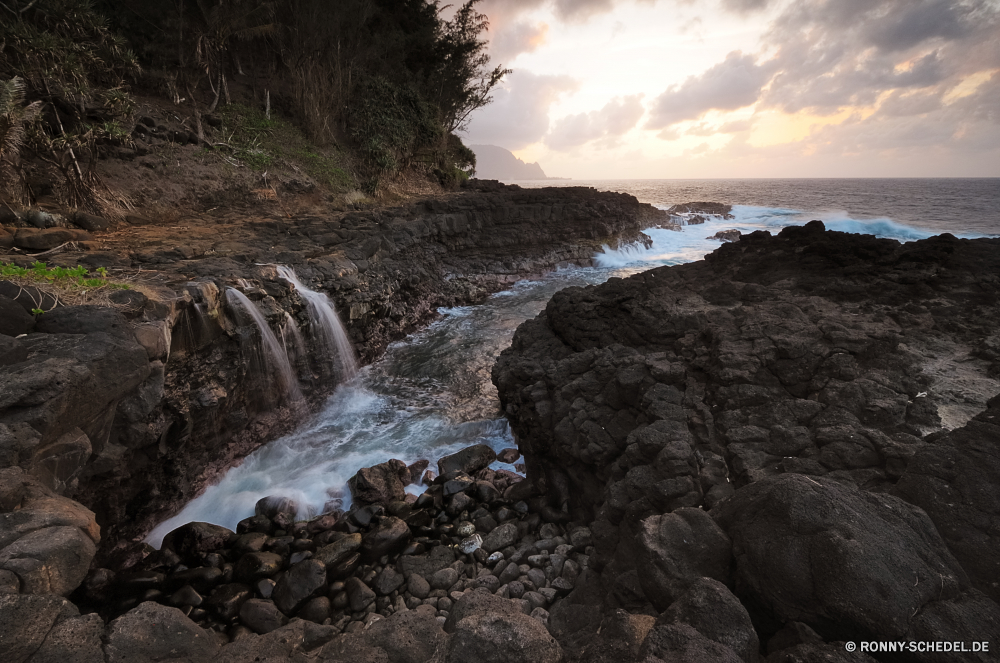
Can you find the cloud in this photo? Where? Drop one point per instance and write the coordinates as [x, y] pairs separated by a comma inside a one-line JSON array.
[[734, 127], [833, 54], [521, 37], [519, 114], [734, 83], [899, 28], [570, 11], [744, 6], [616, 118]]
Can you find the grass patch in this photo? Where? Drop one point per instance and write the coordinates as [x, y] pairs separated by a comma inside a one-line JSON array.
[[64, 278], [275, 144]]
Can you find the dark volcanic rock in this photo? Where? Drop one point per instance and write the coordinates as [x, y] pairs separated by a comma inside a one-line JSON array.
[[151, 630], [676, 549], [846, 562], [194, 540], [956, 480], [299, 584], [502, 638], [388, 537], [380, 484], [469, 460], [712, 610], [14, 320], [682, 643], [84, 320]]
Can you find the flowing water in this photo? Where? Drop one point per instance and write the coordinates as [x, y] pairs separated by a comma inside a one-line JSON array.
[[326, 325], [431, 394], [274, 355]]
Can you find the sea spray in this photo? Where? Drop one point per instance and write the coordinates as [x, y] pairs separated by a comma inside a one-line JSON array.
[[274, 356], [327, 327]]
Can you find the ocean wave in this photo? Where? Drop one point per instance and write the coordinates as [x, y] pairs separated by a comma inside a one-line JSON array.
[[672, 247]]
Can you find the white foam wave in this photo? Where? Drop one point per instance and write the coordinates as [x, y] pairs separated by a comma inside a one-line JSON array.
[[671, 247]]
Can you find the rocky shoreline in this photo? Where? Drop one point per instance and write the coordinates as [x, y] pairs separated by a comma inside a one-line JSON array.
[[809, 420], [181, 394], [786, 446]]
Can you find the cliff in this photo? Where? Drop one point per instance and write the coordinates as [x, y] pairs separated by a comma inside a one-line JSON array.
[[496, 163]]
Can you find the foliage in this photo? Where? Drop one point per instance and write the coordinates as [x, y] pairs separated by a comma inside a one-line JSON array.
[[75, 65], [63, 48], [390, 124], [15, 122], [63, 276], [462, 79], [246, 131]]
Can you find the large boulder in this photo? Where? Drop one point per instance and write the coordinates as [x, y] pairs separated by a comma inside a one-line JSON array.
[[299, 584], [152, 633], [14, 320], [76, 639], [469, 460], [680, 643], [848, 563], [26, 621], [388, 537], [380, 484], [407, 637], [490, 637], [192, 541], [676, 549], [956, 480], [54, 560], [46, 540], [72, 381], [711, 609]]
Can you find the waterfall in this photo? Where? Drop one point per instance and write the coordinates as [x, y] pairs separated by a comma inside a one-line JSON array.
[[326, 324], [274, 355], [295, 345]]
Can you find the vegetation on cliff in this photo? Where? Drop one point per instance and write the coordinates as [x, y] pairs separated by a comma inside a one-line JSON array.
[[384, 84]]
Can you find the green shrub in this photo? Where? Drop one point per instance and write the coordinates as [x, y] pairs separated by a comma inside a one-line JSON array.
[[391, 125]]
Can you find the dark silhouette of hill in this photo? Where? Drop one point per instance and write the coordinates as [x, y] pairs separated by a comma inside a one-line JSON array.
[[496, 163]]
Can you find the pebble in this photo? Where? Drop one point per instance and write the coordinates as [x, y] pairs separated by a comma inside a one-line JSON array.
[[471, 544]]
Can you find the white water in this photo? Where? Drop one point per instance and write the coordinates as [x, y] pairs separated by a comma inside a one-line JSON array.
[[431, 394], [671, 247], [326, 325], [273, 354]]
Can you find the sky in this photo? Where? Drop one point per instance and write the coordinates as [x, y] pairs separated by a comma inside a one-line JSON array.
[[622, 89]]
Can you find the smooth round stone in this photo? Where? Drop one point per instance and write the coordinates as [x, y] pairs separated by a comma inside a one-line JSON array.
[[465, 529], [470, 544], [494, 558]]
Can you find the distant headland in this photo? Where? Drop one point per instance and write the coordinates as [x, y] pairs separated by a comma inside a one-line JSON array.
[[497, 163]]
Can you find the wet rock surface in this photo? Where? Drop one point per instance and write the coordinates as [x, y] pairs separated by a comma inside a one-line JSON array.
[[171, 385], [820, 400], [762, 455]]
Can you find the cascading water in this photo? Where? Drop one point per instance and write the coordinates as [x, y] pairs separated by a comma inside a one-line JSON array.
[[291, 338], [326, 324], [274, 356]]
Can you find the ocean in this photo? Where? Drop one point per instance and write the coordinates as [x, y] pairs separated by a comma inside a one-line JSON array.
[[431, 395]]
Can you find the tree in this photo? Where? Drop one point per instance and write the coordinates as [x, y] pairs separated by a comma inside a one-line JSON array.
[[463, 81]]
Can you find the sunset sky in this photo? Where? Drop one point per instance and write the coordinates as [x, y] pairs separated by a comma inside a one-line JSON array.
[[746, 88]]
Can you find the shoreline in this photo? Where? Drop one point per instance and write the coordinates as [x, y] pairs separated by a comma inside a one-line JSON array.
[[656, 361]]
